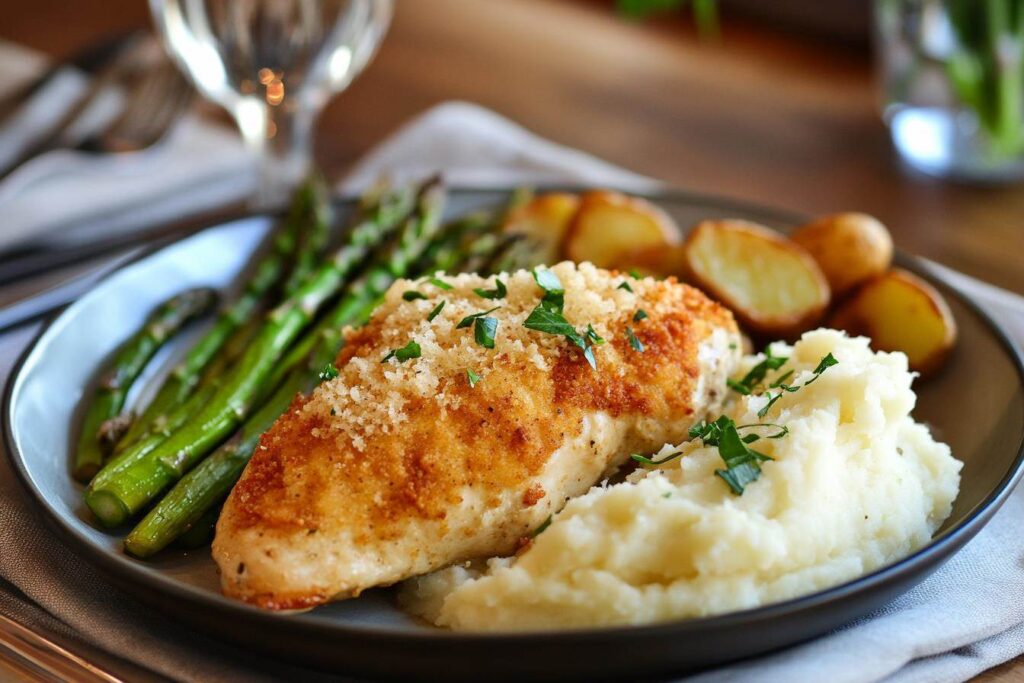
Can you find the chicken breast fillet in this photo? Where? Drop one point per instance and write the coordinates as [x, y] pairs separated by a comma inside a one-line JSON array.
[[400, 467]]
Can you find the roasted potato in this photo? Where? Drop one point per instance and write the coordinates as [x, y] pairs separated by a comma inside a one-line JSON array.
[[544, 220], [610, 225], [901, 312], [850, 248], [772, 285]]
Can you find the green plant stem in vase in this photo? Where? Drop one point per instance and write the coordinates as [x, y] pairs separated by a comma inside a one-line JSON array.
[[986, 69], [953, 82]]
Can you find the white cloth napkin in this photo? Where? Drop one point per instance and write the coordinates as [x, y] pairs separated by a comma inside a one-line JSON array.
[[68, 197], [962, 620]]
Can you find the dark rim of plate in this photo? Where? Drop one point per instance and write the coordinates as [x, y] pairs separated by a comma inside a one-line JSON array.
[[938, 549]]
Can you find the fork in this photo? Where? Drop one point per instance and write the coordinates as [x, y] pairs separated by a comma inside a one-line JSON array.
[[88, 60], [156, 103], [156, 98]]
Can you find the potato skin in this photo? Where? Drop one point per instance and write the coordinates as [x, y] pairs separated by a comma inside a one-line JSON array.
[[650, 225], [850, 248], [863, 313], [545, 220], [764, 240]]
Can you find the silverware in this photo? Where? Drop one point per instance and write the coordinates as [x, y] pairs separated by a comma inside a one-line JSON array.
[[89, 59], [153, 107], [157, 94], [108, 75], [34, 657]]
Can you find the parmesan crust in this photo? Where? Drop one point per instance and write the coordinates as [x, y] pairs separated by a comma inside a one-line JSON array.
[[372, 397], [392, 468]]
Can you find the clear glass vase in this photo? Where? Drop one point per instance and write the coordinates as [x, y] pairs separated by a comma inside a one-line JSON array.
[[952, 78]]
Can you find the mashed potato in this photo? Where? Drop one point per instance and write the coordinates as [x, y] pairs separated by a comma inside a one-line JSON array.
[[854, 485]]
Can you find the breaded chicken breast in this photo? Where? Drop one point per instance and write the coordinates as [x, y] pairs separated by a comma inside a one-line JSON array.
[[410, 461]]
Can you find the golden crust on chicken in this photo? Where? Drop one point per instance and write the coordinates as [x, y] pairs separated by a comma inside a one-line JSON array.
[[397, 468]]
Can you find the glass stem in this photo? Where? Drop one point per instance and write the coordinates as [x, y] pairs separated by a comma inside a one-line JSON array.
[[281, 138]]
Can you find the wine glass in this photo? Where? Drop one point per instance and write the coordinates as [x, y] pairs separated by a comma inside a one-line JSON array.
[[273, 64]]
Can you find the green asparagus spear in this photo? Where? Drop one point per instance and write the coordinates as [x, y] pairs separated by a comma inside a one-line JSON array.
[[311, 209], [520, 252], [148, 442], [128, 363], [189, 504], [368, 288], [458, 239], [207, 484], [137, 484], [379, 220], [308, 214], [233, 348]]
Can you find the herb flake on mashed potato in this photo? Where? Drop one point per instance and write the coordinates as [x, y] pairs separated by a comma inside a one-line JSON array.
[[856, 484]]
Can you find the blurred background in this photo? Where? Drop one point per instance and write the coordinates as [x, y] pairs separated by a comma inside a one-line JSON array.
[[781, 104]]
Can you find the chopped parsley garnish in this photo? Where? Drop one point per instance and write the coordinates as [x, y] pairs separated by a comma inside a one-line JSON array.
[[640, 314], [625, 285], [634, 343], [407, 352], [484, 327], [550, 321], [469, 319], [473, 378], [737, 386], [548, 281], [329, 372], [547, 317], [634, 273], [588, 351], [823, 365], [644, 460], [708, 432], [412, 295], [757, 373], [537, 532], [711, 432], [751, 438], [437, 282], [498, 292], [437, 309], [742, 463], [484, 330]]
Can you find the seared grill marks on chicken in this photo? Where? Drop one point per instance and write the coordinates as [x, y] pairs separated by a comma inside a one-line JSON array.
[[397, 468]]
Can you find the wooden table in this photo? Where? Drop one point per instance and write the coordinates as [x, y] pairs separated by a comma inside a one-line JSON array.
[[759, 116]]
